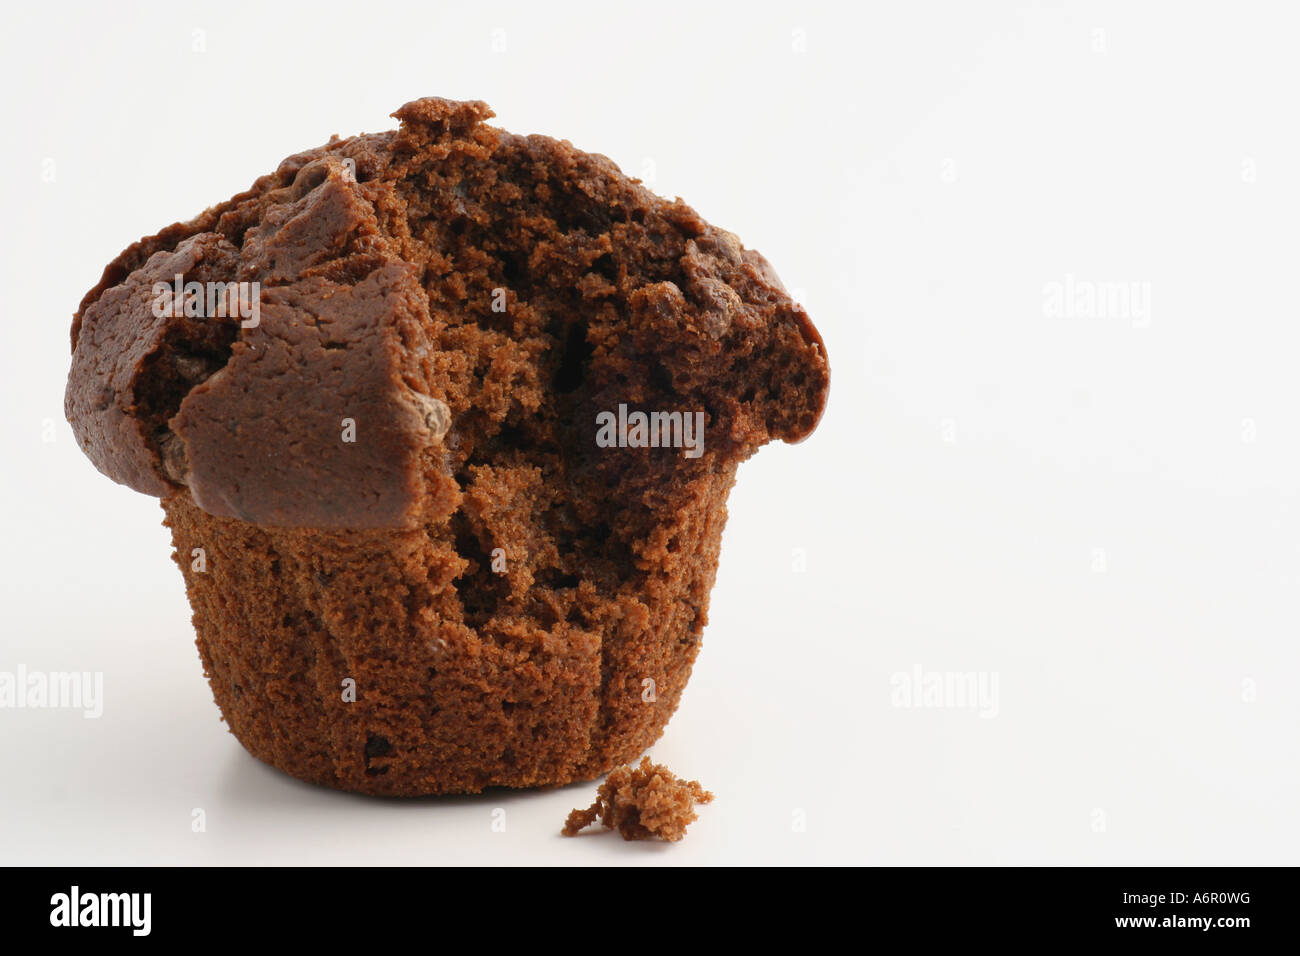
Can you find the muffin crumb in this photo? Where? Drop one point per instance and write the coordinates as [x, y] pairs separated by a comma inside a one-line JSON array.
[[642, 803]]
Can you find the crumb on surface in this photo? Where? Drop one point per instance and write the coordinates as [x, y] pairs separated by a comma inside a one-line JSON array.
[[643, 803]]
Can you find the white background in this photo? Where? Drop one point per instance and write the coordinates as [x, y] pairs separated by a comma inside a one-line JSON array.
[[1099, 509]]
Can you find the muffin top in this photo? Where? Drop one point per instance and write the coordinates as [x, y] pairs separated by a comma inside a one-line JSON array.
[[328, 348]]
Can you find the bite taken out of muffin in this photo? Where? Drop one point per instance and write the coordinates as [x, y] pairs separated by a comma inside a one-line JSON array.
[[443, 421]]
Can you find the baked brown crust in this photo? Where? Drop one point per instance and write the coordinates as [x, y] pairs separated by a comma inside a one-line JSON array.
[[512, 603]]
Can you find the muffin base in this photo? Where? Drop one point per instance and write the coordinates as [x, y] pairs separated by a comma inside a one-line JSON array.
[[350, 659]]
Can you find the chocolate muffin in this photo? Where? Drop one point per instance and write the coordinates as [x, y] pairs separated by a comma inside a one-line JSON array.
[[443, 421]]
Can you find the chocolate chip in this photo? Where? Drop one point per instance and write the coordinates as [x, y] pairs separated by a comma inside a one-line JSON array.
[[175, 462], [436, 414]]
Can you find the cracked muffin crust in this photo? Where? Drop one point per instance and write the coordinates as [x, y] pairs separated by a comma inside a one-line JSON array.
[[413, 569]]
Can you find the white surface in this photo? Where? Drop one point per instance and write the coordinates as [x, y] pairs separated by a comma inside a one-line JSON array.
[[920, 173]]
